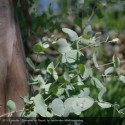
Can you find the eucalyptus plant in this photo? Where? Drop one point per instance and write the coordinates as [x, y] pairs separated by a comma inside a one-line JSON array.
[[63, 86]]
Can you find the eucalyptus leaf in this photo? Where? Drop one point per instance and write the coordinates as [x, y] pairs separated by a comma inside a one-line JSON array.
[[87, 29], [72, 34], [58, 107], [81, 68], [63, 46], [97, 83], [116, 61], [11, 105], [109, 70], [104, 104], [68, 106], [30, 63], [115, 40], [70, 56], [101, 93], [95, 61], [122, 78], [40, 106], [46, 87], [87, 72], [55, 75], [84, 93], [50, 68], [60, 91], [66, 76], [49, 115], [82, 104]]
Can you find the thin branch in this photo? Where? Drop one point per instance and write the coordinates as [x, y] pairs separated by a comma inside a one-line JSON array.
[[10, 113]]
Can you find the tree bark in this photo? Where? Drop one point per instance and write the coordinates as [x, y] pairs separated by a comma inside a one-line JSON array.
[[13, 74]]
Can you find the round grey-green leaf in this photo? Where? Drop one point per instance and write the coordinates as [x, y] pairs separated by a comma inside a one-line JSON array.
[[40, 106], [82, 104], [72, 34], [104, 104], [58, 107], [63, 46], [11, 105]]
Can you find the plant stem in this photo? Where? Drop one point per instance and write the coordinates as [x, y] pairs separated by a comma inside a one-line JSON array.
[[10, 113]]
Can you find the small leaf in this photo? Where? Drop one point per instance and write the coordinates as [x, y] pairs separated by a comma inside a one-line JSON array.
[[40, 106], [101, 93], [122, 78], [122, 111], [97, 83], [84, 93], [109, 70], [66, 76], [70, 56], [50, 68], [87, 72], [60, 91], [33, 81], [58, 107], [87, 29], [86, 36], [11, 105], [115, 40], [30, 63], [63, 46], [55, 75], [38, 48], [72, 34], [116, 61], [46, 45], [104, 104], [81, 68], [95, 61], [46, 87]]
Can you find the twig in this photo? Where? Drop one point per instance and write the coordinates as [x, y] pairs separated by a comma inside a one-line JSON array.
[[10, 113]]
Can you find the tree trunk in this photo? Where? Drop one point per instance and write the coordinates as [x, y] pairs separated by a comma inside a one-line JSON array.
[[13, 75]]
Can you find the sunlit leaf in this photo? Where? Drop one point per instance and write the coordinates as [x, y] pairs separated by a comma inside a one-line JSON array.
[[72, 34], [50, 68], [101, 93], [87, 72], [30, 62], [11, 105], [82, 104], [66, 76], [58, 107], [109, 70], [68, 106], [116, 61], [40, 106], [95, 61], [122, 78], [63, 46], [104, 104], [87, 29], [97, 83]]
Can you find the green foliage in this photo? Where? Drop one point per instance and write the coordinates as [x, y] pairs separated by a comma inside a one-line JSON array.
[[11, 105], [69, 92]]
